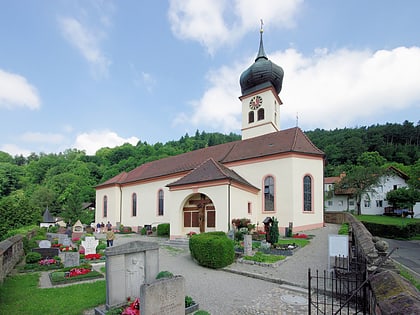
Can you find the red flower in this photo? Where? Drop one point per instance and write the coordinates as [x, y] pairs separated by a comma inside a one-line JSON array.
[[297, 235], [93, 256], [78, 271], [133, 309]]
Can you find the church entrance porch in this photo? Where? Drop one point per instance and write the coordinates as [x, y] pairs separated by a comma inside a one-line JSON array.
[[199, 214]]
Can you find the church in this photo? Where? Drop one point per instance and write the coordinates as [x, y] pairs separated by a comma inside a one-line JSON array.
[[268, 173]]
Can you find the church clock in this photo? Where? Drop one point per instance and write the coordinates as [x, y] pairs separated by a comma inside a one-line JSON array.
[[255, 102]]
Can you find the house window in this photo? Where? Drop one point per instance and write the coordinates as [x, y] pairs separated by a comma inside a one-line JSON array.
[[160, 198], [340, 203], [269, 193], [395, 187], [260, 114], [351, 202], [249, 208], [250, 117], [105, 209], [211, 218], [367, 203], [330, 203], [307, 193], [134, 205], [379, 204], [191, 218]]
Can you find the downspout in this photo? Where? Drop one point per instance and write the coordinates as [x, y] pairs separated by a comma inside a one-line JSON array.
[[229, 205], [120, 206]]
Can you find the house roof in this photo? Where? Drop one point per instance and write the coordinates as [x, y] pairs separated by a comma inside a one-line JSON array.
[[208, 171], [291, 140], [331, 180], [47, 217]]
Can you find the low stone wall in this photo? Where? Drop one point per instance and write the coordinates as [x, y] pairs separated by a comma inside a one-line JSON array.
[[11, 252], [391, 293]]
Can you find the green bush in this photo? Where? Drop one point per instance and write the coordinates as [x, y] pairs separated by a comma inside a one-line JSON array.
[[164, 274], [344, 229], [126, 229], [189, 301], [101, 246], [143, 231], [28, 244], [214, 250], [201, 312], [33, 257], [393, 231], [163, 229]]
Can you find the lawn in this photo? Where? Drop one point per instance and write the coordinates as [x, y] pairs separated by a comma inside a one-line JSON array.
[[387, 220], [20, 294]]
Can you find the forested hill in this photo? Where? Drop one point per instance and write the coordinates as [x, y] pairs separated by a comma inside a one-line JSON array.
[[394, 142], [63, 181]]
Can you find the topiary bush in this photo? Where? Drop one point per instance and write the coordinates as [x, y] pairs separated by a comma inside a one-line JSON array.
[[33, 257], [164, 274], [163, 229], [214, 249]]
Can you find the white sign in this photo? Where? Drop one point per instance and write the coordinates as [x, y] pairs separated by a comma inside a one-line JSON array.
[[338, 245]]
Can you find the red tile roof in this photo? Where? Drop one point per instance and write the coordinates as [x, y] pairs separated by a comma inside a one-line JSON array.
[[208, 171], [280, 142]]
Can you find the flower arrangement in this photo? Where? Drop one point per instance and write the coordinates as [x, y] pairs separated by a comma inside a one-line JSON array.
[[77, 272], [133, 308], [191, 233], [56, 245], [297, 235], [93, 256], [47, 262], [68, 249]]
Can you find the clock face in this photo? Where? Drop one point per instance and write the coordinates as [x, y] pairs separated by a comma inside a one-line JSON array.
[[255, 102]]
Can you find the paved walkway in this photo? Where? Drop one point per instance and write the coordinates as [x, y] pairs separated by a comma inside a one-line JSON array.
[[243, 289]]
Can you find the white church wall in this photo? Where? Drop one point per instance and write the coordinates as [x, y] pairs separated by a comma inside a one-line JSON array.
[[113, 200]]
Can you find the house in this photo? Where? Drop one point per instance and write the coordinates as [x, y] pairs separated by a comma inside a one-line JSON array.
[[269, 173], [372, 203]]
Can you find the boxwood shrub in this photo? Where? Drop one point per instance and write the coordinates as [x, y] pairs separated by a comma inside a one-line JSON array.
[[213, 249], [163, 229]]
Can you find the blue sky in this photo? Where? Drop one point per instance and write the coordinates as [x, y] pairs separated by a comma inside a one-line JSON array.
[[91, 74]]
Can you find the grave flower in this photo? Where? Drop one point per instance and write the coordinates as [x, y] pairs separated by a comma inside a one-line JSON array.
[[93, 256], [47, 262], [133, 308], [77, 272]]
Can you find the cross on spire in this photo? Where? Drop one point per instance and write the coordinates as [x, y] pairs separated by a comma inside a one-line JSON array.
[[262, 24]]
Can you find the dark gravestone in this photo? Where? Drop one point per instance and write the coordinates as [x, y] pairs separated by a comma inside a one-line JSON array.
[[47, 252]]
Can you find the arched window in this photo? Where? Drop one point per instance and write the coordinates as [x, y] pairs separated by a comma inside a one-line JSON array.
[[250, 117], [260, 114], [269, 193], [160, 198], [307, 193], [105, 209], [134, 205]]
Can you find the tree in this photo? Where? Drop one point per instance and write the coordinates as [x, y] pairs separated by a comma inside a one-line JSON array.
[[274, 231], [403, 198], [359, 180]]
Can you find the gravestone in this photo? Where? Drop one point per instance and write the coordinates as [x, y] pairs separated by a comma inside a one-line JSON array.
[[164, 296], [128, 266], [44, 244], [63, 238], [70, 259], [77, 230], [89, 244], [247, 245], [47, 252], [66, 241]]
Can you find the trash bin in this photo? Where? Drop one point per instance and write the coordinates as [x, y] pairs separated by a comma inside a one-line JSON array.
[[286, 231]]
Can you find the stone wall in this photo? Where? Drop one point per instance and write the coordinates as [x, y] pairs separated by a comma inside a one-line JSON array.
[[11, 252], [390, 291]]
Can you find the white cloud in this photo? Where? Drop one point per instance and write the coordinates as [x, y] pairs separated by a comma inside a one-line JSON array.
[[87, 42], [14, 150], [16, 91], [327, 89], [95, 140], [214, 23]]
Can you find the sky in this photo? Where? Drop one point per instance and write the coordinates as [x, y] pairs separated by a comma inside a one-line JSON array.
[[90, 74]]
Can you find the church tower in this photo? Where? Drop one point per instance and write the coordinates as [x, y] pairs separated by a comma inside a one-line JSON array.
[[260, 86]]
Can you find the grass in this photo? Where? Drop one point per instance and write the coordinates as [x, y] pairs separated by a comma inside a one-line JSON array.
[[405, 273], [265, 258], [383, 219], [20, 294], [301, 242], [58, 277]]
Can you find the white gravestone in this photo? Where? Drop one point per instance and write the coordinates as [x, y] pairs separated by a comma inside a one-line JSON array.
[[89, 244], [44, 244]]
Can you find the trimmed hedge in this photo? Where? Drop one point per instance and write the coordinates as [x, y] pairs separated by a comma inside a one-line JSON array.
[[393, 231], [163, 229], [213, 249]]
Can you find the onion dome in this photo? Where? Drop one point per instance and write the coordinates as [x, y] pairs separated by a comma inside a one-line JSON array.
[[263, 73]]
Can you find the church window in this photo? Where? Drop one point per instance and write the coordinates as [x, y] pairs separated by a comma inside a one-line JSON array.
[[160, 206], [249, 208], [250, 117], [307, 193], [260, 114], [191, 218], [105, 209], [269, 193], [134, 205]]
